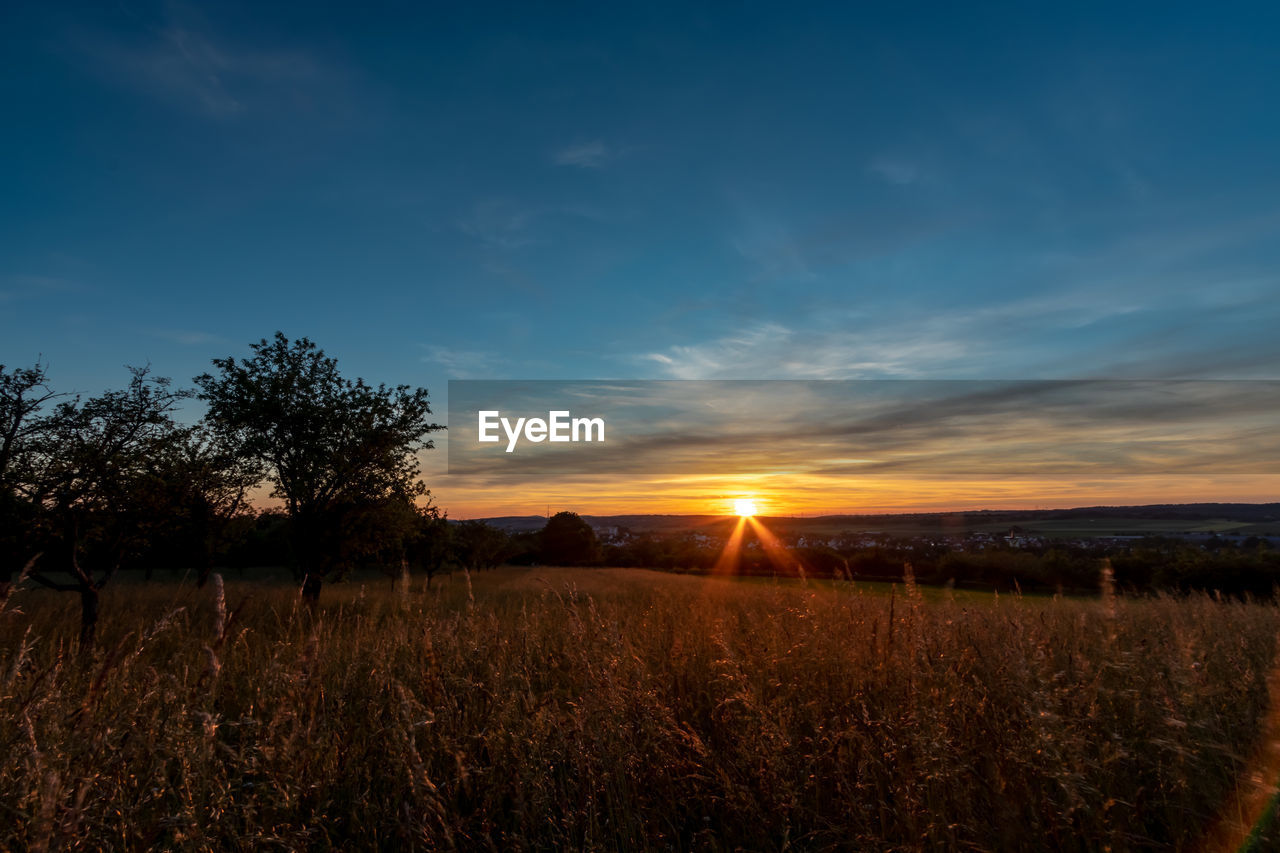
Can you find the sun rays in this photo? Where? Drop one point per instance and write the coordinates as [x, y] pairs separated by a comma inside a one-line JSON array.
[[730, 559], [731, 554]]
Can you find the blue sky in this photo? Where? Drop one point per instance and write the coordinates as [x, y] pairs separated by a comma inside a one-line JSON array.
[[435, 191]]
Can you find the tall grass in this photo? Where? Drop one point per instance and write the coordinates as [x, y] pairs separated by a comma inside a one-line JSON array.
[[625, 710]]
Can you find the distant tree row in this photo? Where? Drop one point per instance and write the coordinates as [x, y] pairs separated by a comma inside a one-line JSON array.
[[1250, 566]]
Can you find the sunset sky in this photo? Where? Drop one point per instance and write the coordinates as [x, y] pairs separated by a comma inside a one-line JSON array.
[[653, 191]]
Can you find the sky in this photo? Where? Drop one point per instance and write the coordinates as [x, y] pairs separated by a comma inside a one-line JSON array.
[[814, 447], [647, 191]]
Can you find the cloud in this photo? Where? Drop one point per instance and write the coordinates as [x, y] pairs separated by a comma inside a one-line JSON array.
[[462, 364], [895, 171], [499, 224], [191, 337], [507, 224], [768, 245], [585, 155], [1091, 322], [846, 432], [25, 286], [775, 351], [180, 62]]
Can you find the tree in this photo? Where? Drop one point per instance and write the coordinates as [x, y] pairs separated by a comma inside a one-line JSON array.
[[477, 545], [327, 444], [567, 540], [24, 392], [374, 531], [199, 488], [260, 539], [88, 469], [429, 547]]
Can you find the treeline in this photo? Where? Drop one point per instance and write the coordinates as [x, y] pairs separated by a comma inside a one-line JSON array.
[[91, 486], [1250, 566], [1000, 567], [426, 545]]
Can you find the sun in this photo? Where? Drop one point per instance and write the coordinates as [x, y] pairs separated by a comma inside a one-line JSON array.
[[744, 507]]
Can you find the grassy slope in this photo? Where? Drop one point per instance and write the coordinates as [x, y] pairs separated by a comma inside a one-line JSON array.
[[623, 709]]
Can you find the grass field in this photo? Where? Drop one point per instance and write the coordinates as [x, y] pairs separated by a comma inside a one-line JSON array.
[[615, 709]]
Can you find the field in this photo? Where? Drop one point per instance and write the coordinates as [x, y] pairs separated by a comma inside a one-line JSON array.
[[615, 709]]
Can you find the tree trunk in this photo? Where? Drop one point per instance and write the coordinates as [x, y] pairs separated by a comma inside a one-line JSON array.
[[306, 533], [206, 569], [88, 615], [204, 531]]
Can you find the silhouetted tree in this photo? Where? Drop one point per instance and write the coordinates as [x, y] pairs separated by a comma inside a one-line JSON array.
[[430, 546], [24, 392], [91, 471], [259, 540], [368, 532], [200, 488], [524, 548], [327, 443], [567, 540], [479, 546]]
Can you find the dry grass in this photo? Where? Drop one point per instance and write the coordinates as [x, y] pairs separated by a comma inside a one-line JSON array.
[[612, 709]]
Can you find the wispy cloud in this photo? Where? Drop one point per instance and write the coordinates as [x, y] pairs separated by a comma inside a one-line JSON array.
[[462, 364], [891, 430], [1072, 335], [594, 154], [183, 63], [895, 171], [1155, 302], [769, 246], [775, 351], [499, 224], [27, 286], [509, 224], [996, 340], [192, 337]]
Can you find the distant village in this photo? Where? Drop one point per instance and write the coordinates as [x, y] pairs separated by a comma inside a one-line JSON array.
[[1184, 549]]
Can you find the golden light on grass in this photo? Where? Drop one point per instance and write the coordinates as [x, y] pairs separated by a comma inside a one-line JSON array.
[[744, 507], [732, 676]]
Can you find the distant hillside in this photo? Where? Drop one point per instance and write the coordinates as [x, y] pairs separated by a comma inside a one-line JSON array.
[[1197, 518], [1235, 512], [638, 523]]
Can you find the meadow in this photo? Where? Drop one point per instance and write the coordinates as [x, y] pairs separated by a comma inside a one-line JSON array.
[[616, 709]]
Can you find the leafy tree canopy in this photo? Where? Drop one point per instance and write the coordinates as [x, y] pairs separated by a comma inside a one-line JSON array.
[[326, 443], [567, 540]]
